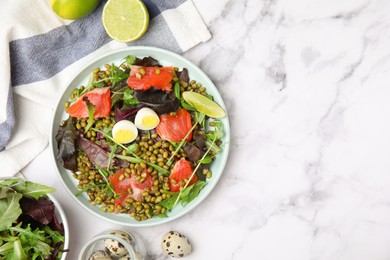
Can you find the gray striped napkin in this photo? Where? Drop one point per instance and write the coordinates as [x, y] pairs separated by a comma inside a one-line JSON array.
[[40, 52]]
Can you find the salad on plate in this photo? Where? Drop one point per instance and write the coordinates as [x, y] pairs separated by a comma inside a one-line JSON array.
[[140, 137]]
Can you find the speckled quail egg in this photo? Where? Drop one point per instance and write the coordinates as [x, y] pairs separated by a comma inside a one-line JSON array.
[[146, 119], [114, 246], [100, 255], [124, 132], [175, 244], [125, 257]]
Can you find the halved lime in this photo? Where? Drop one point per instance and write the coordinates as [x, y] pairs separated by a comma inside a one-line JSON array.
[[73, 9], [203, 104], [125, 20]]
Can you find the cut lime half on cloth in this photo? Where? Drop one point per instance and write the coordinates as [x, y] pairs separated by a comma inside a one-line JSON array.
[[203, 104], [125, 20]]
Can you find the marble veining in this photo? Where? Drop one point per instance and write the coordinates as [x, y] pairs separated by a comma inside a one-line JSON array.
[[306, 88]]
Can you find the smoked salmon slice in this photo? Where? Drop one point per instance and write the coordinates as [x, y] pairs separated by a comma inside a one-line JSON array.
[[143, 78], [99, 97]]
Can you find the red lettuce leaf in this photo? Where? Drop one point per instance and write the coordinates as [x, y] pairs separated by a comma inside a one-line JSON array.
[[66, 142], [160, 101], [183, 75], [126, 113], [56, 225], [95, 153], [41, 210], [147, 62]]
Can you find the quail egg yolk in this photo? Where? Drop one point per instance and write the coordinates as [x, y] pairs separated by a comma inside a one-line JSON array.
[[149, 121], [124, 136]]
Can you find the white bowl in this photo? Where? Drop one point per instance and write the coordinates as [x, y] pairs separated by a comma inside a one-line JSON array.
[[61, 219]]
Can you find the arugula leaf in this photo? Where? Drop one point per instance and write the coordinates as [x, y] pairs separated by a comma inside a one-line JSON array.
[[128, 97], [9, 182], [10, 209], [7, 248], [91, 114], [117, 75], [131, 159], [117, 93], [130, 60], [162, 215], [186, 195], [217, 133], [42, 247], [186, 106], [110, 189], [98, 84], [206, 160], [18, 251], [169, 203], [194, 192], [28, 233], [54, 234], [111, 155], [5, 191], [176, 89], [214, 135], [200, 118]]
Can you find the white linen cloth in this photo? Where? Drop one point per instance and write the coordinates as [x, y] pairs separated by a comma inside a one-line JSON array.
[[40, 52]]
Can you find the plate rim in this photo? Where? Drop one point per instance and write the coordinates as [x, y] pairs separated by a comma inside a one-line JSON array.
[[197, 200]]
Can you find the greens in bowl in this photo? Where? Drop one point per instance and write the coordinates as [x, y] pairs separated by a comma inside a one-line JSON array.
[[29, 225], [140, 139]]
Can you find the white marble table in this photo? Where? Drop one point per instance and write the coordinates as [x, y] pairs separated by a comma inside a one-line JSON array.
[[307, 88]]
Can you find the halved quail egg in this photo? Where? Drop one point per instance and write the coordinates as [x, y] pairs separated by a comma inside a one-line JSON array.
[[124, 132], [146, 119]]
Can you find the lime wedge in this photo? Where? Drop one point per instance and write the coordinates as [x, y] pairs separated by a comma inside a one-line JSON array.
[[203, 104], [125, 20]]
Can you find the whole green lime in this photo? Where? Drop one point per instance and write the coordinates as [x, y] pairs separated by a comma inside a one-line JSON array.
[[73, 9]]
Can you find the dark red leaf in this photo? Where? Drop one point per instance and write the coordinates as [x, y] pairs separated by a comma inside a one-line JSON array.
[[66, 142], [95, 153], [41, 210], [160, 101], [56, 225]]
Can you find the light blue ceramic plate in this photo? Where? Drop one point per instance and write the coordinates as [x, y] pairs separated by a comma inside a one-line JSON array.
[[166, 58]]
